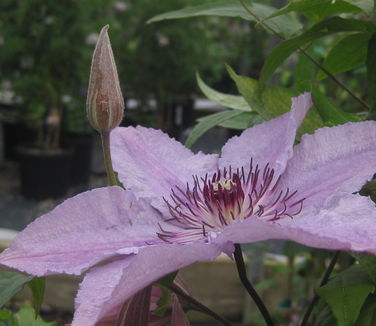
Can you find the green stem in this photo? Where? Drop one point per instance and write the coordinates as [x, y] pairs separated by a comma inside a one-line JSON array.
[[324, 280], [105, 136], [314, 61], [238, 255]]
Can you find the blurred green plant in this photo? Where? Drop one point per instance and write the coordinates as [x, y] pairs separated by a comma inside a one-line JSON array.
[[40, 54]]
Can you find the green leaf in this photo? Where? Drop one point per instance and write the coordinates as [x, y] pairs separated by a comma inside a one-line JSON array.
[[318, 9], [324, 318], [291, 249], [346, 294], [371, 75], [167, 280], [272, 101], [165, 300], [366, 5], [285, 25], [304, 73], [321, 29], [349, 53], [6, 315], [37, 286], [368, 262], [330, 114], [163, 303], [207, 123], [10, 284], [242, 121], [229, 101], [26, 317], [367, 316]]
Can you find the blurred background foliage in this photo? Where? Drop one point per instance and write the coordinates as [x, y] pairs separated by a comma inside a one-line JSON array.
[[46, 48]]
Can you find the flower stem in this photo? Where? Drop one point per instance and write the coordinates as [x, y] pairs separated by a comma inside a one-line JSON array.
[[105, 136], [238, 255], [314, 61], [201, 307], [324, 280]]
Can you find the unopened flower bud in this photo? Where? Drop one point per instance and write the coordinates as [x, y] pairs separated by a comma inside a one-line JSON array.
[[105, 102]]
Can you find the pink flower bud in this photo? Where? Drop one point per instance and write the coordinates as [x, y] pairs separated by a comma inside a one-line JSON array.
[[105, 102]]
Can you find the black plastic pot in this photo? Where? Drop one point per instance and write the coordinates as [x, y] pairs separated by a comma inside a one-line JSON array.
[[81, 146], [44, 175]]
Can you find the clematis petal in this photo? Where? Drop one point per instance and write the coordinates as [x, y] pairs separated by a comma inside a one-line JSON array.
[[178, 317], [269, 142], [150, 163], [337, 159], [82, 231], [346, 222], [106, 287]]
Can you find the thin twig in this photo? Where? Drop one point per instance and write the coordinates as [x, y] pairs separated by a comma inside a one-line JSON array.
[[324, 280], [314, 61], [199, 305], [238, 255]]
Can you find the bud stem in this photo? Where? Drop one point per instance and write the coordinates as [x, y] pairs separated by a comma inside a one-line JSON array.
[[105, 136]]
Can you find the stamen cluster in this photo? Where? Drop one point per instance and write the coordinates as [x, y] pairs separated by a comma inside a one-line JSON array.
[[211, 204]]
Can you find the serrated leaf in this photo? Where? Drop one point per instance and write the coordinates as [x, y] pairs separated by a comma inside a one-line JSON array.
[[371, 74], [330, 114], [235, 102], [346, 294], [37, 286], [242, 121], [285, 25], [26, 317], [368, 262], [272, 101], [327, 27], [10, 284], [367, 316], [349, 53], [318, 9], [207, 123]]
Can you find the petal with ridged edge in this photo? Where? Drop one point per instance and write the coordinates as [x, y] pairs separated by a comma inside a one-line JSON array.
[[150, 163], [269, 142], [82, 231], [336, 159], [346, 222], [107, 287]]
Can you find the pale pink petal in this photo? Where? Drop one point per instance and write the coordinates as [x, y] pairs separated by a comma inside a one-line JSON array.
[[337, 159], [178, 317], [151, 163], [269, 142], [82, 231], [346, 222], [135, 311], [106, 287]]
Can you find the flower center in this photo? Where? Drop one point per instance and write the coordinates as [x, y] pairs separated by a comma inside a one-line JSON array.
[[210, 204]]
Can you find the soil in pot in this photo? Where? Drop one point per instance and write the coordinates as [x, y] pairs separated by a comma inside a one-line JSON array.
[[44, 174]]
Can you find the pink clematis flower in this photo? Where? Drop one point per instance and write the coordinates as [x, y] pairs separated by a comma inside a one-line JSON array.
[[181, 208]]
